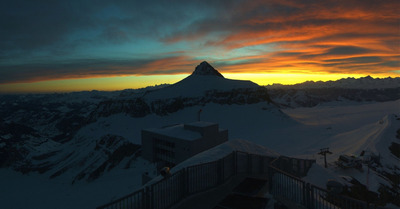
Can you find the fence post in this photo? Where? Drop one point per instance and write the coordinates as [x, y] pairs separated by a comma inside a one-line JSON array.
[[262, 163], [184, 183], [308, 195], [219, 171], [270, 176], [248, 163], [152, 202], [304, 191], [312, 198], [147, 197], [222, 170], [235, 162]]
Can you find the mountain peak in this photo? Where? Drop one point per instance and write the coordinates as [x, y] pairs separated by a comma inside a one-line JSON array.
[[206, 69]]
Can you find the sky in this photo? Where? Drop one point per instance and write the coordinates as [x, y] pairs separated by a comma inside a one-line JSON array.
[[74, 45]]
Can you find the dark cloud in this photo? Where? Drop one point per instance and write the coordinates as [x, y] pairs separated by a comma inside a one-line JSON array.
[[357, 60], [84, 68], [274, 16], [114, 35], [36, 36], [347, 50], [29, 26], [394, 63]]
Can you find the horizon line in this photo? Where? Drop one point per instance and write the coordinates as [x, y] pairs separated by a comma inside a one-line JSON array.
[[58, 84]]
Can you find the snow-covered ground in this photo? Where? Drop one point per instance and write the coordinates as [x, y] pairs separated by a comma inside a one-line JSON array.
[[31, 191], [296, 132], [345, 129]]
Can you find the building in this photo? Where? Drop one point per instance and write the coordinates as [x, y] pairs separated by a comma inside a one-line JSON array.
[[176, 143]]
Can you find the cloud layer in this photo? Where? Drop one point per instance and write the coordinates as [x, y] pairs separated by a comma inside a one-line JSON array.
[[47, 40]]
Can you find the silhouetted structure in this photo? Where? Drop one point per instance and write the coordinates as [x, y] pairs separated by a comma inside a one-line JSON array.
[[323, 152], [173, 144]]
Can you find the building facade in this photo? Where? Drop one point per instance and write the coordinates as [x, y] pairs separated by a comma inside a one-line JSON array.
[[176, 143]]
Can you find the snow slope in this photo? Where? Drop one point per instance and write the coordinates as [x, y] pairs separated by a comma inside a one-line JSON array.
[[20, 191], [375, 137], [345, 129], [260, 123], [345, 117], [251, 122]]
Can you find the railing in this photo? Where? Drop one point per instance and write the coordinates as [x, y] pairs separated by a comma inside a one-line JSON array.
[[282, 173], [166, 193], [294, 166], [135, 200], [291, 188], [192, 180]]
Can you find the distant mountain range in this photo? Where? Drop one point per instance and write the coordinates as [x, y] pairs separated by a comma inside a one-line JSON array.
[[346, 83], [310, 94]]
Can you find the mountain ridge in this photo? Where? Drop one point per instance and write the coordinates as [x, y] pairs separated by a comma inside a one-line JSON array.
[[367, 82]]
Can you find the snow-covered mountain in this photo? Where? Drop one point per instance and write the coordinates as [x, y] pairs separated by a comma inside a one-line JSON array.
[[83, 148], [204, 79], [345, 83], [55, 134], [205, 85]]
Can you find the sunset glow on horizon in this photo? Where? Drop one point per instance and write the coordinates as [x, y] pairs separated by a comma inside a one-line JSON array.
[[136, 82], [82, 45]]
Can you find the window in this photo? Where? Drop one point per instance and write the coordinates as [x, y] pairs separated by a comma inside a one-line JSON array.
[[164, 143], [162, 151]]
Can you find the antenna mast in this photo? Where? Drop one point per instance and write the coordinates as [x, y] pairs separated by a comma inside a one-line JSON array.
[[198, 114]]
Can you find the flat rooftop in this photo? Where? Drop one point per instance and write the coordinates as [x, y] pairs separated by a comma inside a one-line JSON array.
[[184, 131], [177, 131], [201, 124]]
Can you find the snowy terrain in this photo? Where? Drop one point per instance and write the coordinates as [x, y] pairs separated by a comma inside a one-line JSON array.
[[81, 150], [299, 139]]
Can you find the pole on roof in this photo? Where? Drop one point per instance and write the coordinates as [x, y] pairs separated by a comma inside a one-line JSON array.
[[198, 115]]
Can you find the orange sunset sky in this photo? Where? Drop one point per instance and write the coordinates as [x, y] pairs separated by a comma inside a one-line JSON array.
[[61, 46]]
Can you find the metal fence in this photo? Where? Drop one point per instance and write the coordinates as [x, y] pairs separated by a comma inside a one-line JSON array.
[[192, 180], [282, 173], [291, 188], [202, 177], [294, 166], [168, 192], [135, 200]]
